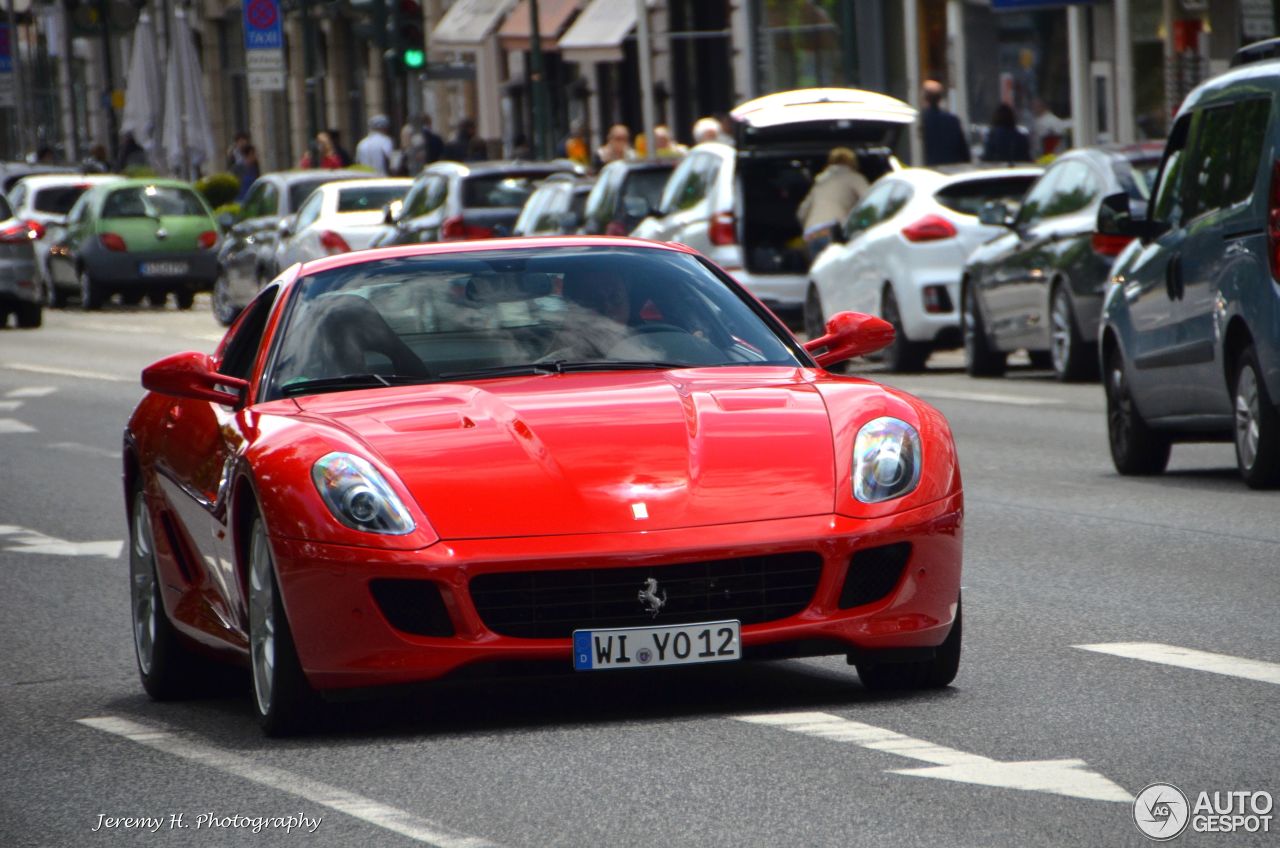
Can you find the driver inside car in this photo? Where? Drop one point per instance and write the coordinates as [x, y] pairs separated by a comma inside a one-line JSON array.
[[597, 317]]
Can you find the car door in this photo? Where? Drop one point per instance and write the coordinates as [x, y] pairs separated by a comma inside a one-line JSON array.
[[64, 255], [1221, 243], [245, 239], [198, 451], [866, 270], [1150, 285]]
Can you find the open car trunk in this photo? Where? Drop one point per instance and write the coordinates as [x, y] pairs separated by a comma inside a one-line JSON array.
[[783, 141]]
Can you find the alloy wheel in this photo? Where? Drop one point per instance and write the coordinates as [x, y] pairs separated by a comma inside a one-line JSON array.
[[1119, 410], [262, 620], [142, 580], [1060, 330], [1247, 415]]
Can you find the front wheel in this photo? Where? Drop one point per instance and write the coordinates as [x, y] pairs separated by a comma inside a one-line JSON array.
[[980, 358], [1071, 356], [30, 315], [1257, 427], [1136, 449], [936, 673], [184, 299], [282, 698], [224, 311]]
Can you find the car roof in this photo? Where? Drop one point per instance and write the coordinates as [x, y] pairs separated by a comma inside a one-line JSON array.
[[37, 182], [1128, 152], [143, 182], [1257, 76], [952, 175], [344, 260], [643, 164], [373, 182], [299, 175], [509, 166]]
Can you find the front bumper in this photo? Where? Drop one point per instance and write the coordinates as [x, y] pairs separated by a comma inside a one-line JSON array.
[[344, 639]]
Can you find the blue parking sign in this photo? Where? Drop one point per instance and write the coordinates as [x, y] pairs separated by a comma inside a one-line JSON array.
[[262, 29]]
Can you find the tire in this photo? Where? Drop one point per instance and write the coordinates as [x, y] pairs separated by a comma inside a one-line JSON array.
[[54, 297], [283, 700], [30, 315], [157, 297], [1257, 424], [936, 673], [167, 668], [224, 311], [92, 295], [184, 299], [980, 359], [1071, 356], [814, 321], [903, 355], [1136, 449]]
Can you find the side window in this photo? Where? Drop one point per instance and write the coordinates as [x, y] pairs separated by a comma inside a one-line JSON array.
[[241, 350], [1249, 131], [1038, 198], [253, 205], [1167, 207], [1074, 189], [437, 190], [899, 198], [270, 201], [309, 212], [678, 187], [1208, 167], [413, 201], [871, 210]]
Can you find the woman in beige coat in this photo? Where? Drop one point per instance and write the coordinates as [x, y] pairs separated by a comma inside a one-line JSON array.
[[834, 194]]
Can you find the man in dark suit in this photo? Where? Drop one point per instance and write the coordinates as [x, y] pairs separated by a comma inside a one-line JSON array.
[[944, 141]]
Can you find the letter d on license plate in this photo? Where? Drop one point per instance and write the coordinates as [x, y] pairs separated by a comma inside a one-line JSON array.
[[641, 647]]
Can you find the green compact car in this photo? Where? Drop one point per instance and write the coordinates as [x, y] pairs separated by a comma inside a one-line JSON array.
[[144, 237]]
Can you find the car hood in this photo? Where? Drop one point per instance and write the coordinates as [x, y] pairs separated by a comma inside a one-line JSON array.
[[599, 453]]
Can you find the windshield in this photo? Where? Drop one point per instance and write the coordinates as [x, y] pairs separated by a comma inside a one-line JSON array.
[[969, 196], [369, 198], [460, 315], [647, 183], [500, 190], [151, 202]]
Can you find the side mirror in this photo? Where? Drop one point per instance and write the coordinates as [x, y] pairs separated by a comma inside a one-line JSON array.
[[391, 212], [191, 375], [285, 227], [226, 221], [1115, 217], [995, 213], [850, 334], [637, 207]]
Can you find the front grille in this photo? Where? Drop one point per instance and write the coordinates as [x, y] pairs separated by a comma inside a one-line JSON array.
[[552, 604], [412, 606], [873, 573]]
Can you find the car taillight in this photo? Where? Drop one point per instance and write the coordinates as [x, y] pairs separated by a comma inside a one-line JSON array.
[[1109, 245], [333, 242], [18, 233], [208, 239], [112, 241], [1273, 222], [615, 228], [722, 229], [456, 229], [929, 228], [35, 229]]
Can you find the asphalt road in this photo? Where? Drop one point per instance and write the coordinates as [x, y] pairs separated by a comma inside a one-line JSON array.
[[1060, 552]]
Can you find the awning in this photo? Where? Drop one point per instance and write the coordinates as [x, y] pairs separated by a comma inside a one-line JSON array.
[[553, 19], [468, 23], [598, 33]]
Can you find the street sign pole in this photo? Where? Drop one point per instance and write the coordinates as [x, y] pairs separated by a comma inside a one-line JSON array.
[[538, 80], [13, 72]]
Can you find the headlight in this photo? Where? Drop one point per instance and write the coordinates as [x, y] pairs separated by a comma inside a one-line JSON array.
[[886, 460], [358, 496]]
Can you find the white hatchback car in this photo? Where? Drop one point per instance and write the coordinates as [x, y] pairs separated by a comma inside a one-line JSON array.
[[46, 199], [339, 217], [905, 247], [737, 204]]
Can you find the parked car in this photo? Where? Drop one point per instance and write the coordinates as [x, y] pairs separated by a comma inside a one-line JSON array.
[[418, 460], [338, 217], [555, 208], [451, 201], [11, 172], [737, 204], [903, 254], [1039, 286], [625, 193], [247, 260], [19, 292], [46, 199], [1190, 340], [136, 237]]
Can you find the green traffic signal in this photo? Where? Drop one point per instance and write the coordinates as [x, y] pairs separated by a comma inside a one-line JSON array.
[[414, 58]]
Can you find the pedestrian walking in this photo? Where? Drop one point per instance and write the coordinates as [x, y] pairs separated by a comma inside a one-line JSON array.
[[375, 149], [1005, 142], [944, 140], [834, 193]]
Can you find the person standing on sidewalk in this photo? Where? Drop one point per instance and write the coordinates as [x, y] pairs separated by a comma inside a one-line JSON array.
[[944, 140], [375, 149]]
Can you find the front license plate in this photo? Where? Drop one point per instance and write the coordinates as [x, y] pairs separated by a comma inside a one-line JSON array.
[[163, 269], [642, 647]]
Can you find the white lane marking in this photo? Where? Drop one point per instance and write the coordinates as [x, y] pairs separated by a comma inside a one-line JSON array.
[[10, 405], [31, 391], [357, 806], [13, 425], [87, 450], [1264, 672], [78, 373], [984, 397], [20, 540], [1057, 777]]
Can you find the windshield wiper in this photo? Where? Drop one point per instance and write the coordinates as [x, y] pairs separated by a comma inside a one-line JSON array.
[[558, 366], [349, 381]]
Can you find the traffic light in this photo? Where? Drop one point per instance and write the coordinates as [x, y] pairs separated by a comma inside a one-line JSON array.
[[410, 38]]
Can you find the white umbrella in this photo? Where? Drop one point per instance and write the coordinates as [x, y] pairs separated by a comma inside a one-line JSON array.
[[144, 93], [188, 135]]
